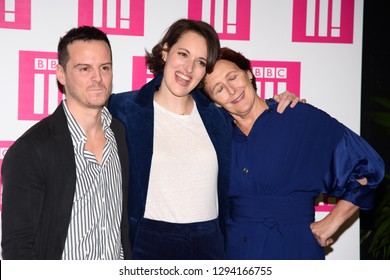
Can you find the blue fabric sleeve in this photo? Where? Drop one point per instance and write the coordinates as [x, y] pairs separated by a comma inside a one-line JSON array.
[[354, 159]]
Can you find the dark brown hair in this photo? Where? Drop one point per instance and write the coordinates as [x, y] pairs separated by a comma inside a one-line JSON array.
[[154, 59], [82, 33]]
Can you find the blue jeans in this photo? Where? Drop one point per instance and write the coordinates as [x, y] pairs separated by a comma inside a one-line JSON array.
[[159, 240]]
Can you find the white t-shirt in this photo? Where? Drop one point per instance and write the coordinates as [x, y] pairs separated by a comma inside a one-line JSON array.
[[184, 171]]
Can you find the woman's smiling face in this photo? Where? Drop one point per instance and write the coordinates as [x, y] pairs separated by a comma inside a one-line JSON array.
[[185, 64], [230, 87]]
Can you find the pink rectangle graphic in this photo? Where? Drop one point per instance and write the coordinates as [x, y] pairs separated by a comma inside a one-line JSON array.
[[117, 17], [141, 75], [323, 21], [15, 14], [273, 77], [4, 146], [230, 18], [38, 91], [326, 203]]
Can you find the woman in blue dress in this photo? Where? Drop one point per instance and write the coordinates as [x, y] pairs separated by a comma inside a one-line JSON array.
[[280, 165]]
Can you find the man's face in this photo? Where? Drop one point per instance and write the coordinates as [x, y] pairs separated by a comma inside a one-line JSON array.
[[87, 78]]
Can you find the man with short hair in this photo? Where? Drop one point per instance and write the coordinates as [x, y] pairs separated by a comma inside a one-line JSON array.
[[65, 179]]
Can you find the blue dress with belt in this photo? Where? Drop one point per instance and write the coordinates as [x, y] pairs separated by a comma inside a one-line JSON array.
[[279, 170]]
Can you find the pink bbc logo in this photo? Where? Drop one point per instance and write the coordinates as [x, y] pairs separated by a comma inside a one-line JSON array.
[[15, 14], [273, 77], [142, 75], [230, 18], [325, 21], [39, 94], [119, 17], [4, 145]]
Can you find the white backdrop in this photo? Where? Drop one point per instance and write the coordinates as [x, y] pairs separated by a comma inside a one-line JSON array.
[[311, 47]]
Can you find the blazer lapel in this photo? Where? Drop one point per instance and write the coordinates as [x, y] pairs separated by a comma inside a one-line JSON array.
[[140, 124], [63, 153], [213, 125]]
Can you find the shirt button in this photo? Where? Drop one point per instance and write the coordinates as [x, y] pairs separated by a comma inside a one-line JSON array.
[[245, 170]]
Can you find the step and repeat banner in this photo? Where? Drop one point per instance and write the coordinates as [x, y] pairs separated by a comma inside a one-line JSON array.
[[310, 47]]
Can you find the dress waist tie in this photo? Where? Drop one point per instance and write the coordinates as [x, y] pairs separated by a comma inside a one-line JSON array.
[[273, 211]]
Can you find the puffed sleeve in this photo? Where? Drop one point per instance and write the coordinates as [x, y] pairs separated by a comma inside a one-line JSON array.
[[352, 159]]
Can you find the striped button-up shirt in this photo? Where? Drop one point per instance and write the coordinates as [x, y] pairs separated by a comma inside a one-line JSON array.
[[94, 230]]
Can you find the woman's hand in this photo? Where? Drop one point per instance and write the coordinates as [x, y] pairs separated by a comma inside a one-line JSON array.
[[287, 98], [324, 229]]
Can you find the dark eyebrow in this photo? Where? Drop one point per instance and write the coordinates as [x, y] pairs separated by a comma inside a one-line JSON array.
[[107, 63], [86, 64], [81, 65], [190, 52]]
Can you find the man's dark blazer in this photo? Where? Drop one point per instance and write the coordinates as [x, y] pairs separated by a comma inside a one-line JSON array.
[[135, 110], [39, 183]]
